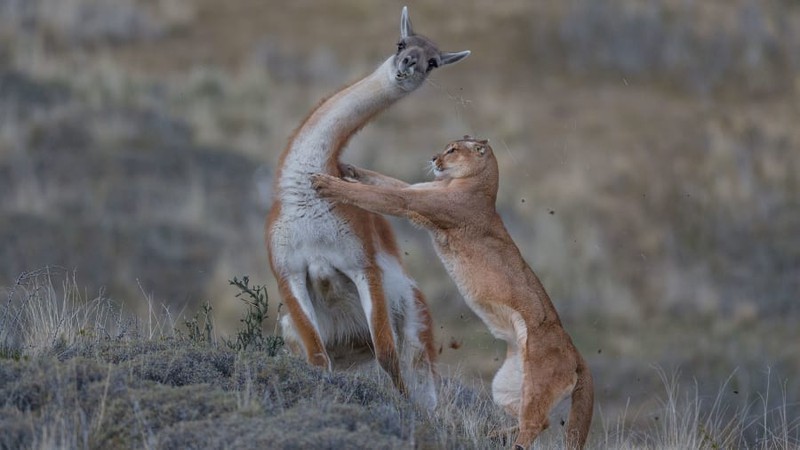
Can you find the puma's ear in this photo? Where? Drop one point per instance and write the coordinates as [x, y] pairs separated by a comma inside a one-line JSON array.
[[405, 24], [450, 58]]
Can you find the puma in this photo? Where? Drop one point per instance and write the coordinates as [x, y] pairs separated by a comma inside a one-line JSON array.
[[542, 365]]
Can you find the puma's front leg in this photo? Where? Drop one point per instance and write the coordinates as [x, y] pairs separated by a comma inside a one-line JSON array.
[[353, 173], [421, 205], [380, 199]]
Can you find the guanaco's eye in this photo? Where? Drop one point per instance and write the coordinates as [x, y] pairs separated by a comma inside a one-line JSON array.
[[401, 46], [432, 64]]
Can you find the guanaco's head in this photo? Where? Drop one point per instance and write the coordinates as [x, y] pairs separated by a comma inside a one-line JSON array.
[[465, 158], [417, 56]]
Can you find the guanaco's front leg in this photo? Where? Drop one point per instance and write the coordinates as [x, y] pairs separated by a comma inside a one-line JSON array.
[[293, 291], [370, 290]]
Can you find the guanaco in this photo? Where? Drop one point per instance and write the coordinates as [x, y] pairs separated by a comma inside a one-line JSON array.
[[338, 267], [542, 365]]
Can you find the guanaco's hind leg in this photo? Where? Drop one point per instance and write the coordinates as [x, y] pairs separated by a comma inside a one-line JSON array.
[[370, 291], [419, 355], [293, 291], [425, 335]]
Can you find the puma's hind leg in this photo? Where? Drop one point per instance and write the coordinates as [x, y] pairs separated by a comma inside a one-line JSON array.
[[507, 382], [549, 377]]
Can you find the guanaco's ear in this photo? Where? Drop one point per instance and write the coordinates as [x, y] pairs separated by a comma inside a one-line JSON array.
[[450, 58], [405, 24]]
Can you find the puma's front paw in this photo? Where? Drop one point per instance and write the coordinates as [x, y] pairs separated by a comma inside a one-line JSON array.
[[323, 184]]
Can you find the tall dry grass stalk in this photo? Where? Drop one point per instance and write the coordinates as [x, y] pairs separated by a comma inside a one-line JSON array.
[[684, 419], [46, 310]]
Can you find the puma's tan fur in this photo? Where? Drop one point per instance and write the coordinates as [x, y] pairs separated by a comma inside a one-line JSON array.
[[542, 365]]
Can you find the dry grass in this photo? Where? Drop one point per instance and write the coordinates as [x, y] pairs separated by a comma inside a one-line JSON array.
[[88, 387]]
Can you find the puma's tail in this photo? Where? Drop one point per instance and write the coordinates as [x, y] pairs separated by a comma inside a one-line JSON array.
[[580, 414]]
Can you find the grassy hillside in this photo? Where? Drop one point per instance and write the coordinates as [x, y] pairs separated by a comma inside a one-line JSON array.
[[649, 160], [77, 373]]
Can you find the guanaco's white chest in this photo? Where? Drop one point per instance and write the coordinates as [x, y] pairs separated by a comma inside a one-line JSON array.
[[307, 234]]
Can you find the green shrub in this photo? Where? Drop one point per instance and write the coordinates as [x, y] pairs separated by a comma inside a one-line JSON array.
[[251, 336], [195, 332]]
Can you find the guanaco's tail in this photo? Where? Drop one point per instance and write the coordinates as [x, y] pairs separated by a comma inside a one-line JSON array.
[[580, 414]]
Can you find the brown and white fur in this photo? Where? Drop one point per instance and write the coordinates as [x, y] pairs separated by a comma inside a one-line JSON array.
[[338, 267], [542, 365]]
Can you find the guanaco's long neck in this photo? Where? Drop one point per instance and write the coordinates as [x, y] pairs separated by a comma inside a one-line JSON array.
[[322, 137]]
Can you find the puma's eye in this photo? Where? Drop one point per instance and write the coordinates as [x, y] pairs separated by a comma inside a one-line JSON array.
[[450, 150], [401, 46], [432, 64]]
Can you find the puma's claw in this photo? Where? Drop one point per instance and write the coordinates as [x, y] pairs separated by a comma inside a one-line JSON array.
[[348, 172], [320, 181]]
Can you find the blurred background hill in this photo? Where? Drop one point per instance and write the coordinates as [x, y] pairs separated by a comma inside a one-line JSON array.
[[649, 153]]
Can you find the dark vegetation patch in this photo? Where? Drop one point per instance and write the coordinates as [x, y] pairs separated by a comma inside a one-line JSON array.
[[16, 429], [181, 394], [138, 417], [325, 425]]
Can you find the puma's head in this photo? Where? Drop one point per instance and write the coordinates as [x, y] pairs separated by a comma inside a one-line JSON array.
[[465, 158]]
